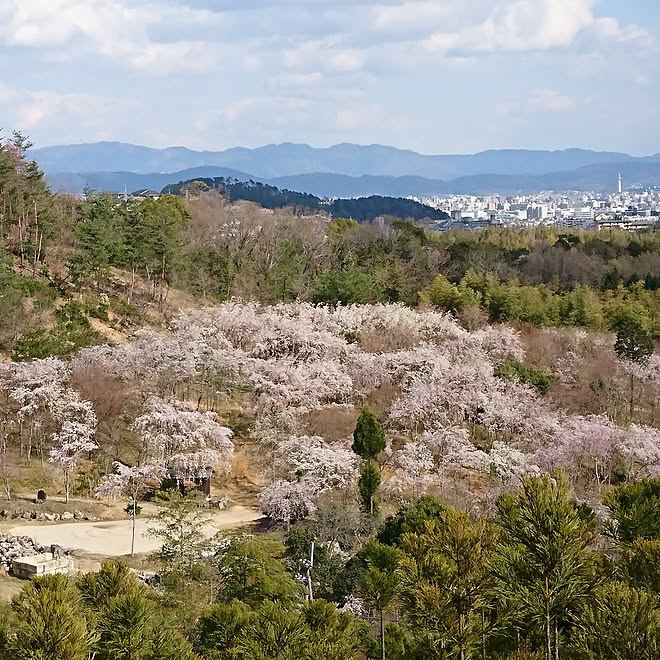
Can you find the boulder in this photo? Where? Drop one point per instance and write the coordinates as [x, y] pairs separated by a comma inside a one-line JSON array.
[[67, 515]]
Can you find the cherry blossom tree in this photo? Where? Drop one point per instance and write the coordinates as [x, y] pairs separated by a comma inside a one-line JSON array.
[[639, 447], [322, 466], [287, 501], [73, 440], [185, 441], [131, 482], [583, 446]]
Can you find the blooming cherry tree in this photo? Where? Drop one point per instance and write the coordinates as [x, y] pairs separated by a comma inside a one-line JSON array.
[[186, 441], [130, 481], [323, 466], [72, 441], [287, 502]]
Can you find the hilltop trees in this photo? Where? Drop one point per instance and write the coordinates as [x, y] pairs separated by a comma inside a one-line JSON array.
[[25, 204]]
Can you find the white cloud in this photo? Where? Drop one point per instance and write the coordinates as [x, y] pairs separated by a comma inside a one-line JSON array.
[[547, 99], [221, 72]]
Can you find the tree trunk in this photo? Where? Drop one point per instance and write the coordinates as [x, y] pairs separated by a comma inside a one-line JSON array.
[[382, 635], [162, 282], [133, 527], [632, 395], [66, 487], [483, 634], [548, 627], [556, 642]]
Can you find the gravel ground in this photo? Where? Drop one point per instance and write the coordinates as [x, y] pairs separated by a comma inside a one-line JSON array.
[[113, 538]]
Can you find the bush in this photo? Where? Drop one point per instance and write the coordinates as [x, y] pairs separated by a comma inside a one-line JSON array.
[[524, 373]]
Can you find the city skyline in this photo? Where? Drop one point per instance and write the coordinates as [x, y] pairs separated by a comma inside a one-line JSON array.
[[433, 76]]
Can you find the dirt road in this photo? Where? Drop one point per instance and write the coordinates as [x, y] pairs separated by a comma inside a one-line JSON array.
[[113, 538]]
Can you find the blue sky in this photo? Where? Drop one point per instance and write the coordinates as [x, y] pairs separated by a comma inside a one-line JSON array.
[[437, 76]]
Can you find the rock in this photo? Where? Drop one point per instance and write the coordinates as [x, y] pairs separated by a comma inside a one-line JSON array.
[[67, 515], [27, 515], [41, 516], [79, 515], [57, 516], [49, 516]]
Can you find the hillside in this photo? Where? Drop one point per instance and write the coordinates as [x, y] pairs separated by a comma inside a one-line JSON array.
[[460, 428], [291, 159], [599, 177], [271, 197]]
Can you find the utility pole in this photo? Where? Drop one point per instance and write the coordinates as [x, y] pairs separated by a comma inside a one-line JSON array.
[[310, 594]]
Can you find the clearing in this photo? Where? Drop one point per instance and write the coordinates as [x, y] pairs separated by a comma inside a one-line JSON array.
[[113, 538]]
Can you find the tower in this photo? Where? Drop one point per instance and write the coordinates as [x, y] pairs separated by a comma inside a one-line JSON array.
[[620, 188]]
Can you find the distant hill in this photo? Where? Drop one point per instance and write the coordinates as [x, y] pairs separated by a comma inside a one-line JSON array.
[[284, 160], [599, 177], [119, 181], [271, 197]]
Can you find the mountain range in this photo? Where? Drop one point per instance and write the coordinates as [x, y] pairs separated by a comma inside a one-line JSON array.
[[345, 170]]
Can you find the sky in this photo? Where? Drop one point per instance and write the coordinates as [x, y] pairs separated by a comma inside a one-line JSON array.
[[436, 76]]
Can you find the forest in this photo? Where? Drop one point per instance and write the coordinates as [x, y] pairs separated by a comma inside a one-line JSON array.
[[271, 197], [452, 439]]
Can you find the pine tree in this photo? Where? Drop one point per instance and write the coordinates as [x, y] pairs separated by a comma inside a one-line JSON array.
[[446, 580], [545, 567], [50, 622], [369, 435], [619, 623], [368, 484], [380, 584]]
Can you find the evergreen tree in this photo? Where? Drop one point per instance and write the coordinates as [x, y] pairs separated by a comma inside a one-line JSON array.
[[619, 623], [545, 568], [446, 579], [50, 622], [369, 435], [380, 583], [634, 511], [368, 485], [123, 627]]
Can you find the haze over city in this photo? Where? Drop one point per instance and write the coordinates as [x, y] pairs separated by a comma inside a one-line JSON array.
[[435, 76]]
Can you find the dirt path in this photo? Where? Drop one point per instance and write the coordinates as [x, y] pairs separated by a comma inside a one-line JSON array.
[[113, 538]]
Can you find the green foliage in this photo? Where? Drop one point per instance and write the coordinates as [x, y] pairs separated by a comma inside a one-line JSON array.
[[524, 373], [177, 525], [318, 631], [446, 580], [114, 580], [252, 571], [168, 644], [50, 622], [620, 623], [220, 629], [369, 435], [348, 286], [298, 544], [411, 518], [368, 485], [72, 332], [544, 569], [633, 341], [123, 627], [639, 564], [634, 510]]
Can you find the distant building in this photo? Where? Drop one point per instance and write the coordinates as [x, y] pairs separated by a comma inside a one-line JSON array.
[[627, 223], [145, 193]]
